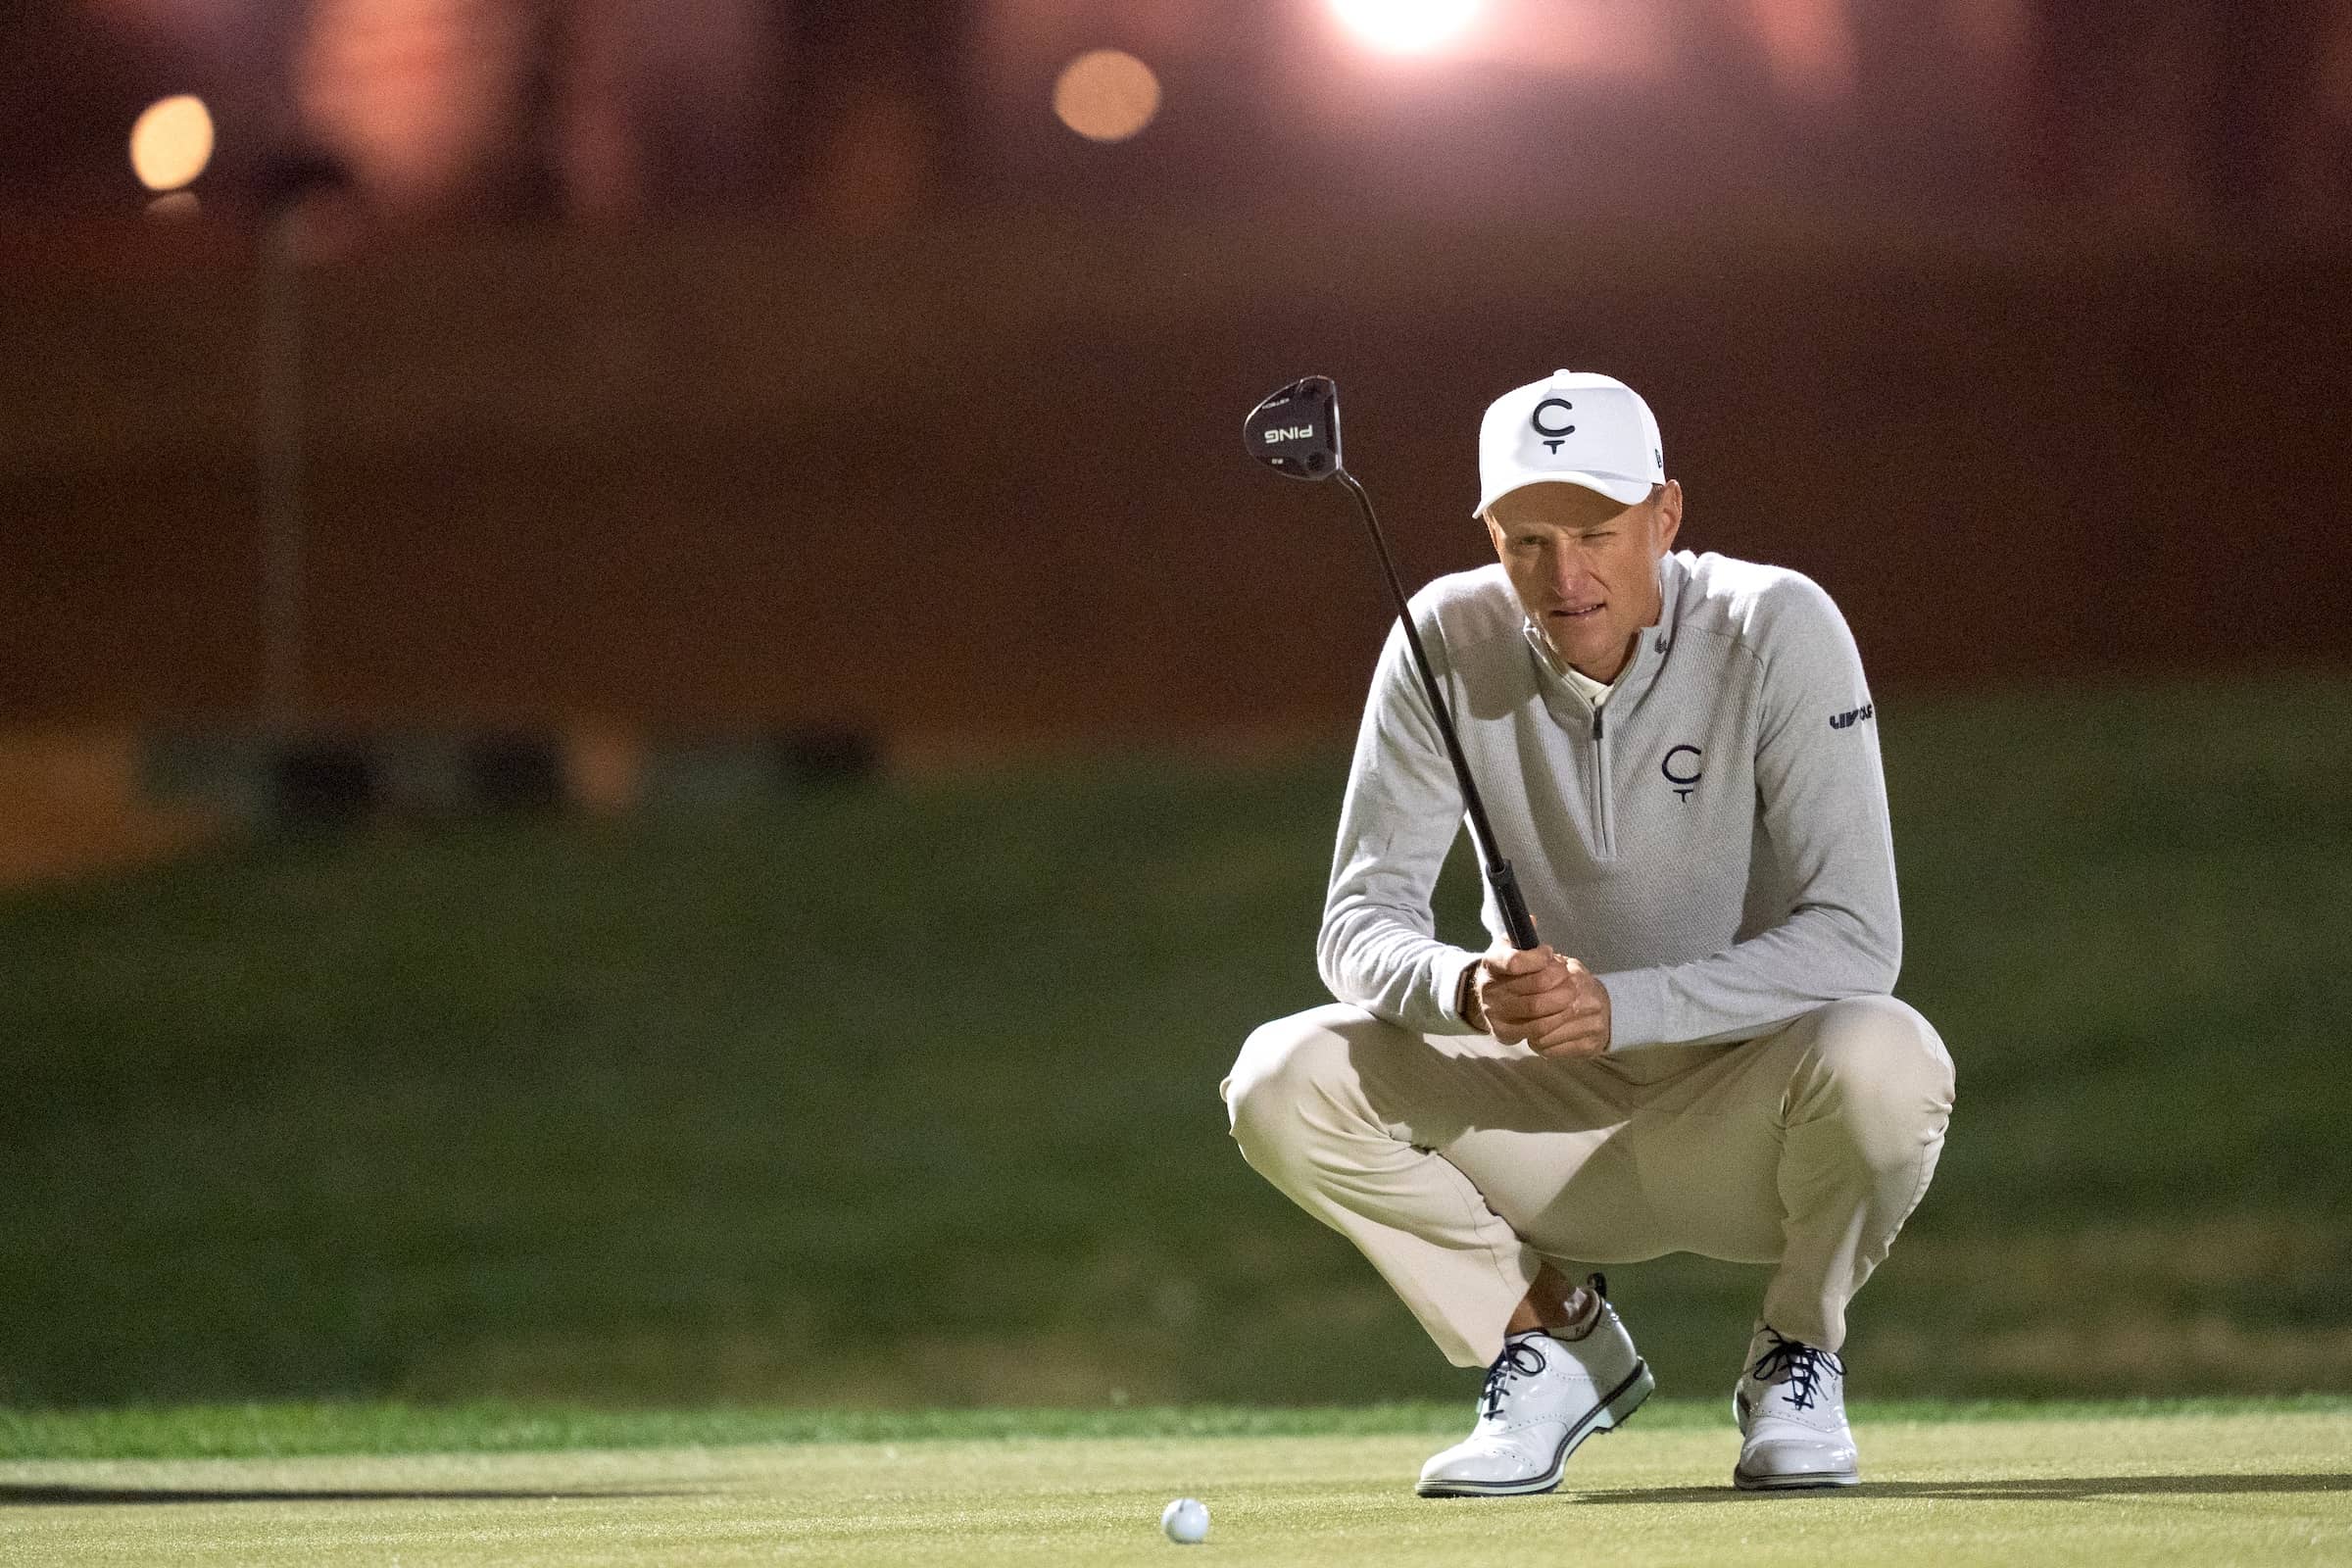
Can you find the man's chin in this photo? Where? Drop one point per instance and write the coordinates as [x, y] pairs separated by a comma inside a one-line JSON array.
[[1579, 651], [1587, 653]]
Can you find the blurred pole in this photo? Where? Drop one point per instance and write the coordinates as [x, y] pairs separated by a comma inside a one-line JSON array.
[[280, 437], [288, 187]]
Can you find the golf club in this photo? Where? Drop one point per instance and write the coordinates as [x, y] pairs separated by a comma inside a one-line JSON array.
[[1295, 431]]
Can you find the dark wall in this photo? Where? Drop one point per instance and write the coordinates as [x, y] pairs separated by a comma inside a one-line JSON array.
[[985, 483]]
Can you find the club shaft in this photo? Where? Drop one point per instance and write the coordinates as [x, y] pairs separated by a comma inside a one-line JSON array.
[[1500, 877]]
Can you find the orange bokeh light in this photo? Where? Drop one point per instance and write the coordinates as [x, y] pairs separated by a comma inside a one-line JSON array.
[[171, 142], [1107, 95]]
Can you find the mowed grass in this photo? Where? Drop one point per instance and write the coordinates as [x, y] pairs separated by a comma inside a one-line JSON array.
[[351, 1426], [2204, 1488], [907, 1096]]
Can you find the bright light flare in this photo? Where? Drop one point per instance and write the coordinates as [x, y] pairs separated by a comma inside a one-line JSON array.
[[171, 142], [1107, 95], [1407, 27]]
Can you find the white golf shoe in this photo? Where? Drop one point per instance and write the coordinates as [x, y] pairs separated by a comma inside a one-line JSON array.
[[1542, 1397], [1790, 1401]]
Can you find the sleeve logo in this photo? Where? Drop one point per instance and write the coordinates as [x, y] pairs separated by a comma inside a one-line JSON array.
[[1850, 717]]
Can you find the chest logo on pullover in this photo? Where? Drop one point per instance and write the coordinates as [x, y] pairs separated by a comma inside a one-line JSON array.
[[1683, 772], [1851, 716]]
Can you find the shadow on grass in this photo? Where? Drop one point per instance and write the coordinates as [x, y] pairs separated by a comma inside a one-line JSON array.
[[2041, 1489], [26, 1496]]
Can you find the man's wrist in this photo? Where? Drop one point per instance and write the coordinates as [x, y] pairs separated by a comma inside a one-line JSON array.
[[1465, 999]]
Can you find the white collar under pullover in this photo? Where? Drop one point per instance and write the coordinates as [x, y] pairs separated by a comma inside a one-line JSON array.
[[1595, 692]]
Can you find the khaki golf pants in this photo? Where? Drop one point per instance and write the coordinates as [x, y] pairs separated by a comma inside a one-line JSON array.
[[1459, 1165]]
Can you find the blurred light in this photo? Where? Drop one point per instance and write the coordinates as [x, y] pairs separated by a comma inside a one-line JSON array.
[[1405, 27], [425, 100], [172, 142], [177, 205], [1809, 46], [1107, 95]]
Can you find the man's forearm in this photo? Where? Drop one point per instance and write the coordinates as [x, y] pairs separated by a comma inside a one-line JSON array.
[[1376, 959], [1816, 956]]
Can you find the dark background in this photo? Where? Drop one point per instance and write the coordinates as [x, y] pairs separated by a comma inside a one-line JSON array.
[[987, 488], [773, 362]]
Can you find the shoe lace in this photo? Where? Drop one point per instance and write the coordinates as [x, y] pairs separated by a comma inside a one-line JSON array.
[[1804, 1364], [1519, 1358]]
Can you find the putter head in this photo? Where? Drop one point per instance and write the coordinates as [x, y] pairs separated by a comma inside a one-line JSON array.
[[1296, 430]]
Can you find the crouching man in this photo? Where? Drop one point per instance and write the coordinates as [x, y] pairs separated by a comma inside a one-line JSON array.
[[1680, 757]]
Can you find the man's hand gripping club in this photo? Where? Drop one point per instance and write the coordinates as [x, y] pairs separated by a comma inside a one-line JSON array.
[[1543, 1000]]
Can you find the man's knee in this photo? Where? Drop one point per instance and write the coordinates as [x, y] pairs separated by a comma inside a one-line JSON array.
[[1289, 1076], [1884, 1066]]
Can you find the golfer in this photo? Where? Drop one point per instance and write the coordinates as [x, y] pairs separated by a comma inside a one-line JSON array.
[[1680, 758]]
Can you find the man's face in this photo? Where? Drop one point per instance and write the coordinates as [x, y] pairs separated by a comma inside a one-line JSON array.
[[1585, 568]]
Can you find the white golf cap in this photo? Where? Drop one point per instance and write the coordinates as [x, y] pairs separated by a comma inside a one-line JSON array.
[[1576, 427]]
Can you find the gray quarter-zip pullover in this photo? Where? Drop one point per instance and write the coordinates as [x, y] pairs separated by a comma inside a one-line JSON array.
[[1712, 842]]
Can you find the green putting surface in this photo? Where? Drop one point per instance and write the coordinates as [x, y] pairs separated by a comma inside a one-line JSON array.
[[2242, 1486], [355, 1428]]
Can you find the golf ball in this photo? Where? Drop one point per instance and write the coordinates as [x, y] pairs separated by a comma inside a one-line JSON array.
[[1184, 1521]]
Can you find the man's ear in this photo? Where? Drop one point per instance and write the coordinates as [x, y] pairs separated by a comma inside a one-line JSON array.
[[1670, 514]]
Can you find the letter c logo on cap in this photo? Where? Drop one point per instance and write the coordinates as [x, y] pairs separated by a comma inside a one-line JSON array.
[[1553, 437]]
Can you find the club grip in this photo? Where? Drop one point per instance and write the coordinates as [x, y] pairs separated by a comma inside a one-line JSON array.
[[1515, 918]]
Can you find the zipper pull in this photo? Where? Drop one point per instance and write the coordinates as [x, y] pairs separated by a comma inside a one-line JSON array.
[[1596, 723]]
